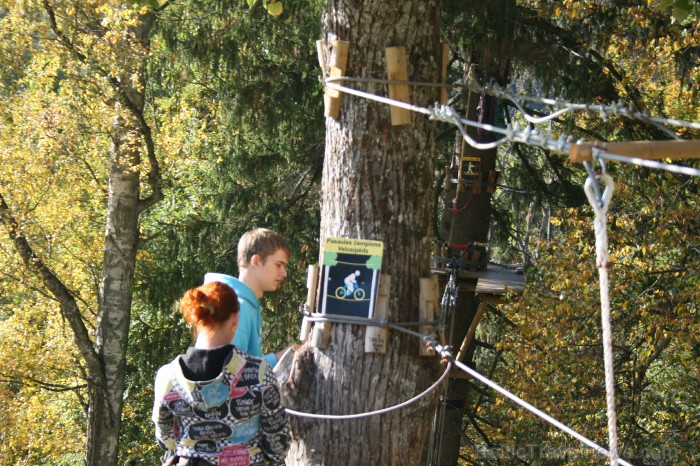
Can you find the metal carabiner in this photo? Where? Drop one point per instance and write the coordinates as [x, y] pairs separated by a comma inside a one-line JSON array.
[[592, 186], [598, 201]]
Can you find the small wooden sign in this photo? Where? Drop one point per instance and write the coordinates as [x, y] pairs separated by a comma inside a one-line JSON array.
[[376, 337]]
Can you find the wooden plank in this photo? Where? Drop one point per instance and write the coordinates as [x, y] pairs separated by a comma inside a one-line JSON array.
[[397, 70], [321, 52], [426, 312], [376, 337], [650, 150], [311, 281], [336, 68], [443, 73], [472, 330], [498, 281]]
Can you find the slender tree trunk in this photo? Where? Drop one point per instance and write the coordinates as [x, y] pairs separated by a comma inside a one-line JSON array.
[[130, 139], [377, 184], [121, 240]]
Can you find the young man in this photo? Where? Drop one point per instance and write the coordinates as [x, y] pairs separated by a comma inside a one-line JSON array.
[[262, 266]]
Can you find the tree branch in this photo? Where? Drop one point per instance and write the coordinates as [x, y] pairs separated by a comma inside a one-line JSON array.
[[67, 302], [154, 178], [53, 387]]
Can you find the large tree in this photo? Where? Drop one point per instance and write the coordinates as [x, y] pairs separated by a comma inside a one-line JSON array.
[[377, 184]]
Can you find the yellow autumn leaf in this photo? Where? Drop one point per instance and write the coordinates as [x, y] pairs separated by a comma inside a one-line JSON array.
[[274, 8]]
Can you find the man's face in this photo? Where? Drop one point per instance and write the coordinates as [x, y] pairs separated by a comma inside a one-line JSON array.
[[271, 271]]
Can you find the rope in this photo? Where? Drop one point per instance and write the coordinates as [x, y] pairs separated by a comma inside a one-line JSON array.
[[377, 412], [599, 203]]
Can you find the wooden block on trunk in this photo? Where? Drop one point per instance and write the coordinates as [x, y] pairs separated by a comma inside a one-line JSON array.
[[443, 73], [397, 70], [311, 281], [321, 335], [376, 337], [336, 68], [426, 312]]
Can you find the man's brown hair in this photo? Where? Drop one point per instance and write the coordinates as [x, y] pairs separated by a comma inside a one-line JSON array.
[[262, 242]]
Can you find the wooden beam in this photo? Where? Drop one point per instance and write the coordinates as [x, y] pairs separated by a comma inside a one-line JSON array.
[[650, 150], [472, 330], [376, 337], [336, 68], [443, 73], [397, 70], [311, 281], [426, 312]]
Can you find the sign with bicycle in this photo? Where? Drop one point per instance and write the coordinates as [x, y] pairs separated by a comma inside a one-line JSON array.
[[350, 276]]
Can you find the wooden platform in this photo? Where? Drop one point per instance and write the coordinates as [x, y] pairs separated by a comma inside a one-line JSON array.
[[495, 281], [490, 286]]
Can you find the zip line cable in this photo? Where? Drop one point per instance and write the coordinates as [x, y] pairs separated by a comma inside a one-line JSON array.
[[617, 108], [512, 133], [444, 352], [493, 89]]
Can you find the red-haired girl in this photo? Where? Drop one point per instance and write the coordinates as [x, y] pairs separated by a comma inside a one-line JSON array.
[[215, 404]]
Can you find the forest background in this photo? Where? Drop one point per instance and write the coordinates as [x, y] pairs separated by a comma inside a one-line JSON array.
[[231, 98]]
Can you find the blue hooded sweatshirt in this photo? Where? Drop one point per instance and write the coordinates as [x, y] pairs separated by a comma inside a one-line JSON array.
[[249, 332]]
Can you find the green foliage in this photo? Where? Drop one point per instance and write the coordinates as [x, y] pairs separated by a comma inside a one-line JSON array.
[[243, 149], [546, 346], [554, 357], [236, 108]]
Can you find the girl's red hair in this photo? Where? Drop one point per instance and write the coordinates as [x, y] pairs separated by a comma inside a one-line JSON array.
[[209, 305]]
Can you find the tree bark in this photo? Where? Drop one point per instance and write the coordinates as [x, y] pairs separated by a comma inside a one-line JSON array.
[[377, 184], [121, 240]]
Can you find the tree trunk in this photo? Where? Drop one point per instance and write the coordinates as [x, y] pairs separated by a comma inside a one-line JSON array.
[[466, 219], [377, 184], [468, 223], [121, 240], [467, 216]]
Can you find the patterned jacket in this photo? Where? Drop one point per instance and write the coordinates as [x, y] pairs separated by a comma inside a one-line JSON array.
[[236, 419]]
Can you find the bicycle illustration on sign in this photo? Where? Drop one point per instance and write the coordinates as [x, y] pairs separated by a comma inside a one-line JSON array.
[[350, 290]]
